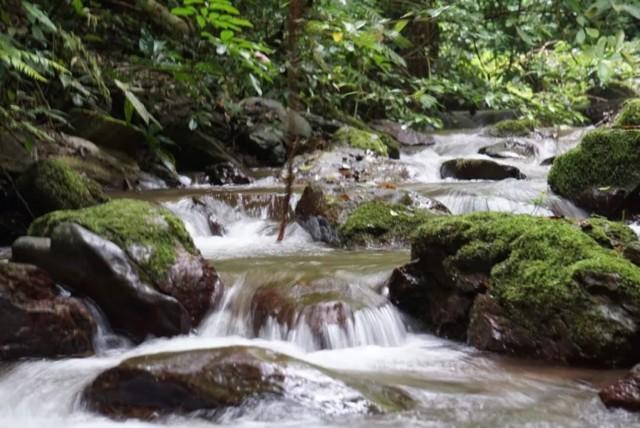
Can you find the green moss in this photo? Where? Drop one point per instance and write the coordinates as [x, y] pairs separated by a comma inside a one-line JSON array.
[[539, 269], [604, 158], [513, 128], [356, 138], [49, 185], [629, 117], [379, 222], [609, 234], [149, 234]]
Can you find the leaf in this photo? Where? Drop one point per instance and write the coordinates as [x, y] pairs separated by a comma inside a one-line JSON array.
[[400, 25], [226, 35], [593, 32], [193, 124], [580, 37], [128, 111], [137, 105], [184, 11], [631, 10], [337, 37], [256, 84]]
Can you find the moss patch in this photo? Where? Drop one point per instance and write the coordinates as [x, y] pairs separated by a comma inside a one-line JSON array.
[[513, 128], [378, 223], [541, 271], [359, 139], [629, 117], [49, 185], [604, 158], [148, 234], [609, 234]]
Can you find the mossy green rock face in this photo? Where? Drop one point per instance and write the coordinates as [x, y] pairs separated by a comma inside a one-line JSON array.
[[207, 380], [382, 145], [156, 272], [602, 174], [49, 185], [525, 285], [375, 223], [629, 117], [513, 128]]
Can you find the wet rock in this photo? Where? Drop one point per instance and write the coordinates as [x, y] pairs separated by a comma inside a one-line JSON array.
[[601, 174], [478, 169], [226, 173], [136, 261], [108, 132], [605, 102], [632, 253], [208, 380], [379, 144], [324, 212], [524, 285], [403, 135], [49, 185], [263, 129], [459, 119], [625, 393], [37, 320], [548, 161], [509, 149], [513, 128]]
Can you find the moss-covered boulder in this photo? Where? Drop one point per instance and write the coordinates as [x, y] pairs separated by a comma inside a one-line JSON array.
[[362, 215], [380, 144], [629, 117], [513, 128], [50, 185], [525, 285], [602, 174], [134, 259], [210, 380]]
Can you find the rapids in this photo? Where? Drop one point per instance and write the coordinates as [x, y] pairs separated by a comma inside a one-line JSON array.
[[452, 384]]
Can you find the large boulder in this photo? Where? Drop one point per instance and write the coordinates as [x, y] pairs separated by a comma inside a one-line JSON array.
[[478, 169], [135, 260], [624, 393], [379, 144], [605, 101], [360, 215], [513, 128], [263, 128], [525, 285], [38, 320], [50, 185], [602, 174], [209, 380], [402, 134]]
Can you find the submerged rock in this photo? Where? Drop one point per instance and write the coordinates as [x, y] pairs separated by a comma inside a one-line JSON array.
[[513, 128], [625, 393], [523, 285], [49, 185], [403, 135], [602, 174], [509, 149], [135, 260], [332, 214], [37, 320], [380, 144], [478, 169], [208, 380]]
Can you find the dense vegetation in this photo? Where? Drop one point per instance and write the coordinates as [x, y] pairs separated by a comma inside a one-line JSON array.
[[153, 62]]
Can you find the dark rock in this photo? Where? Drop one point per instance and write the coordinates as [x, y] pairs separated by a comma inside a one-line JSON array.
[[509, 149], [625, 393], [548, 161], [37, 320], [207, 380], [524, 285], [403, 135], [632, 253], [478, 169], [226, 173], [605, 102], [108, 132], [476, 119], [610, 202], [49, 185], [136, 261]]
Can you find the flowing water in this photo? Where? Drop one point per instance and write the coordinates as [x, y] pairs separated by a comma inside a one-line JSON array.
[[452, 384]]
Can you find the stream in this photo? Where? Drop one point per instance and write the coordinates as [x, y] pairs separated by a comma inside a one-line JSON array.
[[451, 384]]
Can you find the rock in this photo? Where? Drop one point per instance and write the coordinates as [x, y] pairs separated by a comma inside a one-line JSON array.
[[629, 117], [49, 185], [513, 128], [263, 129], [509, 148], [524, 285], [632, 253], [108, 132], [461, 119], [37, 320], [478, 169], [325, 212], [403, 135], [625, 393], [604, 102], [225, 174], [152, 279], [601, 174], [207, 380], [379, 144], [548, 161]]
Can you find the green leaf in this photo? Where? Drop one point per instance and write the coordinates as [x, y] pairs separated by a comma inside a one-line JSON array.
[[184, 11], [593, 32], [580, 37], [128, 111], [137, 105], [226, 35]]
